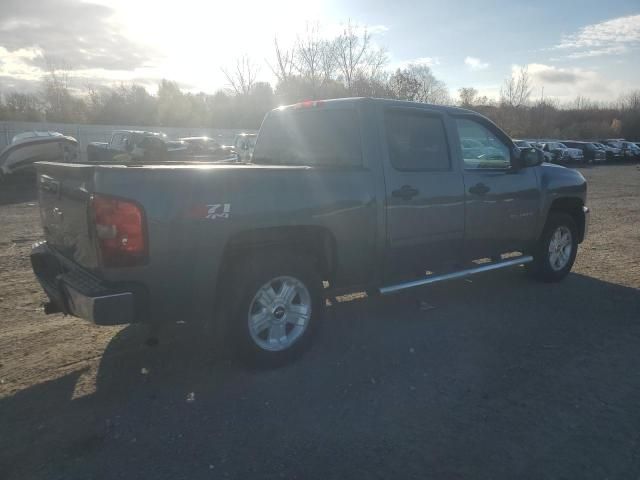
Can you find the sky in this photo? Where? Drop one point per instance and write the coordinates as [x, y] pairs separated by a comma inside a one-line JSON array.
[[571, 48]]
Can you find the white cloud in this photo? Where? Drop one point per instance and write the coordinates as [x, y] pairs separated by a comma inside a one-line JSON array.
[[332, 30], [611, 37], [18, 64], [548, 74], [377, 29], [565, 84], [428, 61], [475, 64]]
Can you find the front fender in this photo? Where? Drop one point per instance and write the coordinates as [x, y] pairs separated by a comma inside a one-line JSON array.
[[562, 189]]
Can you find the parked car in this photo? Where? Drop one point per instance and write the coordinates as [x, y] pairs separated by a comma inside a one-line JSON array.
[[358, 193], [128, 145], [29, 147], [559, 152], [576, 155], [591, 153], [566, 153], [611, 153], [630, 151], [177, 146], [615, 146], [205, 148], [243, 145], [525, 144]]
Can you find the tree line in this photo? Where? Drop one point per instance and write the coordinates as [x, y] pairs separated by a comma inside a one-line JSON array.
[[317, 67]]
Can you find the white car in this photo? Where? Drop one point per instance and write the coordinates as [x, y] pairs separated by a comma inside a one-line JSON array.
[[29, 147]]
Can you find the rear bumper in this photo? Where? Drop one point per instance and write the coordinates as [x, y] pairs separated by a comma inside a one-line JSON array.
[[76, 292]]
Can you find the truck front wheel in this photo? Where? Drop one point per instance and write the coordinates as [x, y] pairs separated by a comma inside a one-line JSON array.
[[277, 305], [556, 250]]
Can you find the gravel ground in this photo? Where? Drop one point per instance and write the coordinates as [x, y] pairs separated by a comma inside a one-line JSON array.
[[493, 377]]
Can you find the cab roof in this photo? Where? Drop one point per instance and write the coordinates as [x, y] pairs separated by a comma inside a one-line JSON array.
[[385, 101]]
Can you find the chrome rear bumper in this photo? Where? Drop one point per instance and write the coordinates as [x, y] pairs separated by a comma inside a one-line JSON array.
[[76, 292]]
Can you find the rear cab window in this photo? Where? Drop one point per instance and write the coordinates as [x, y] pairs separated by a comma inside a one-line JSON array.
[[315, 137]]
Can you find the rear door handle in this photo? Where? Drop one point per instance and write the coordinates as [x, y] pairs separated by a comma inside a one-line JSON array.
[[479, 189], [406, 192]]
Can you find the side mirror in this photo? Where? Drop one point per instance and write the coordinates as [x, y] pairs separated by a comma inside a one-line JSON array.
[[531, 157]]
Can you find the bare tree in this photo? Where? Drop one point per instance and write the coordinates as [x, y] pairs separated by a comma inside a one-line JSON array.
[[470, 97], [517, 89], [431, 90], [284, 64], [57, 72], [351, 53], [417, 83], [309, 55], [375, 62], [243, 77], [583, 103], [403, 86], [630, 101], [58, 101], [328, 60], [22, 106]]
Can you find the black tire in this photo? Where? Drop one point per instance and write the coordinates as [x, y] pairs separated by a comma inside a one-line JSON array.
[[252, 274], [541, 268]]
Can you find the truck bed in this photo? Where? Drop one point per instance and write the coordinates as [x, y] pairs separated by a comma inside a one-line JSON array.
[[193, 211]]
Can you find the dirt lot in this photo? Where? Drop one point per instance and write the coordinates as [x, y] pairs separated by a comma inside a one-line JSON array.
[[499, 377]]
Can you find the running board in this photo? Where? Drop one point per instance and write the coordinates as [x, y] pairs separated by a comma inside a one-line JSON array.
[[453, 275]]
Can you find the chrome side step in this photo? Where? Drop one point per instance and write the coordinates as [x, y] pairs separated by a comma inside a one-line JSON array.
[[453, 275]]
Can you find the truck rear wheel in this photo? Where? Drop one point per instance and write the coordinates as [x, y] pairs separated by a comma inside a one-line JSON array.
[[556, 249], [277, 305]]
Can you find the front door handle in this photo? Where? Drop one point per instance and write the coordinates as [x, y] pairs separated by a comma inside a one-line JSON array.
[[407, 192], [479, 189]]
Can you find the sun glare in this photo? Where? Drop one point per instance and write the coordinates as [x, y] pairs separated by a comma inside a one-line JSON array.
[[193, 42]]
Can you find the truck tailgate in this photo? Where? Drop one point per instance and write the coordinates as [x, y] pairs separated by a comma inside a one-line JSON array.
[[64, 191]]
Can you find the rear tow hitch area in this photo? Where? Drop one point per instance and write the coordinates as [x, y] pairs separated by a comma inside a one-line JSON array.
[[50, 308]]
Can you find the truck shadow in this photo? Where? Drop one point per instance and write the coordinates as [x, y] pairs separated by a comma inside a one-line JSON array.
[[497, 377]]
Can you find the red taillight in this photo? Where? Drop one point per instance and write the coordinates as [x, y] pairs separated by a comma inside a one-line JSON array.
[[309, 104], [120, 231]]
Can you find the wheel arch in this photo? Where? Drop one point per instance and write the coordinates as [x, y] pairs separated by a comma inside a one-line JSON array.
[[315, 242], [572, 206]]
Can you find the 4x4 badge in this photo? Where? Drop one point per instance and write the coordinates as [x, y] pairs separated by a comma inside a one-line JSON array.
[[219, 210]]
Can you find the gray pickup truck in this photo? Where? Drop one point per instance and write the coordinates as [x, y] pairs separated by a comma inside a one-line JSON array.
[[351, 194]]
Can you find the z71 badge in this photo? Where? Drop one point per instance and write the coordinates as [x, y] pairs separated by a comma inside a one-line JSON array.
[[219, 210]]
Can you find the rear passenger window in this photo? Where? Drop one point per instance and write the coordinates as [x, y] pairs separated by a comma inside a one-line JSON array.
[[315, 137], [416, 141]]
